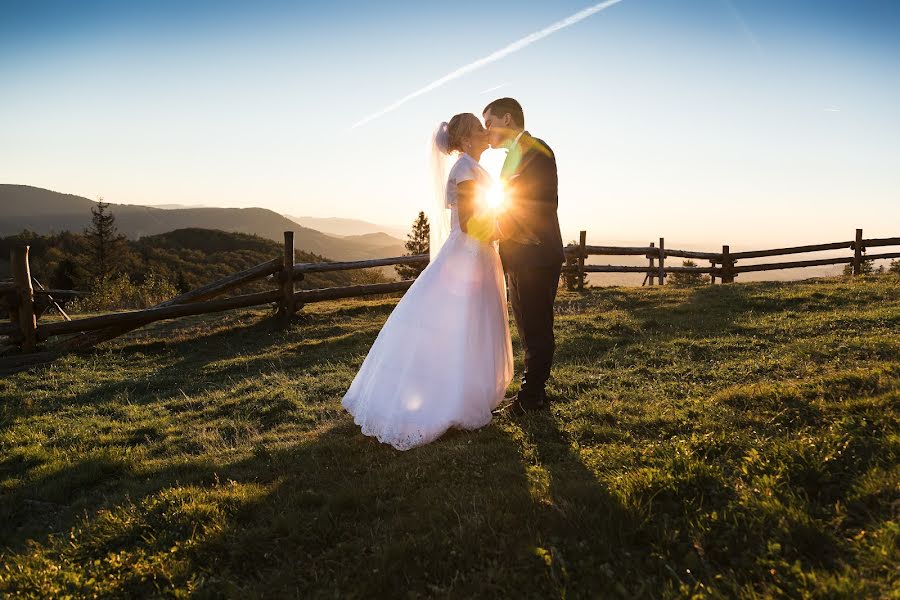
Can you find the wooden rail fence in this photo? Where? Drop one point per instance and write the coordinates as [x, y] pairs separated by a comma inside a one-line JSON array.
[[722, 265], [25, 299]]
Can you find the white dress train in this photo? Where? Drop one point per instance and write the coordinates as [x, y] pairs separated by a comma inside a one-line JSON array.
[[443, 359]]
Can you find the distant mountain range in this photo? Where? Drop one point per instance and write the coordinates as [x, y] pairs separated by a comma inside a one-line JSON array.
[[44, 211], [171, 206], [349, 227]]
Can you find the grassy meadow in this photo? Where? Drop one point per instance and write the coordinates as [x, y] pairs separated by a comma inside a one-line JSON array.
[[734, 441]]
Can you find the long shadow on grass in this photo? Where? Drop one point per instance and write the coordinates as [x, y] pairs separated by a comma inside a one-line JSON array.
[[185, 361], [340, 515], [372, 522], [436, 518], [216, 361], [594, 544], [51, 502], [242, 348]]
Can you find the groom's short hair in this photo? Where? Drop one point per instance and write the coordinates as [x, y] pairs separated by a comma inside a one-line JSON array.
[[502, 106]]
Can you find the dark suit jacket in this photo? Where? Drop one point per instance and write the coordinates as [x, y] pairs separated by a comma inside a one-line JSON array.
[[529, 227]]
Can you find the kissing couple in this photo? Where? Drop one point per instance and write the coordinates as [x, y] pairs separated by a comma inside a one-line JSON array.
[[444, 357]]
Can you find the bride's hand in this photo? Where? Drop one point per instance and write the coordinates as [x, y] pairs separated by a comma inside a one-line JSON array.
[[483, 227]]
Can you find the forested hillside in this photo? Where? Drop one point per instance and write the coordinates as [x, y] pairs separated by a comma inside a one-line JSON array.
[[187, 258]]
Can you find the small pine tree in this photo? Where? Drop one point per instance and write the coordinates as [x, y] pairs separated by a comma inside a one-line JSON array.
[[894, 267], [866, 267], [682, 279], [66, 275], [181, 282], [570, 278], [105, 241], [417, 242]]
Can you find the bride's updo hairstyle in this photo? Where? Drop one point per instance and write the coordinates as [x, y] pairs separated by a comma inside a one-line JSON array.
[[450, 135]]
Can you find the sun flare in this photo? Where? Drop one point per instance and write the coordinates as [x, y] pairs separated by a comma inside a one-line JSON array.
[[495, 195]]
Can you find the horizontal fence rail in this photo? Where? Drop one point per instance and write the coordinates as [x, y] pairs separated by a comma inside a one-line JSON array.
[[877, 242], [221, 286], [793, 250], [160, 313], [713, 256], [26, 299], [727, 270], [326, 267], [811, 263], [149, 315]]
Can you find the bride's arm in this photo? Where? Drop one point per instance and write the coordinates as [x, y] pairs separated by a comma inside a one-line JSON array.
[[477, 224], [465, 203]]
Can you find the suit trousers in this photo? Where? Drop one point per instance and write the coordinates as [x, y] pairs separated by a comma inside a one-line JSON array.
[[532, 293]]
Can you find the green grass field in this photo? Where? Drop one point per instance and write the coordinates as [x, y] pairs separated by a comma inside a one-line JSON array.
[[732, 441]]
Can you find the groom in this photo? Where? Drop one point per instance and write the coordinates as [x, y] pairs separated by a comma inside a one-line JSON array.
[[530, 243]]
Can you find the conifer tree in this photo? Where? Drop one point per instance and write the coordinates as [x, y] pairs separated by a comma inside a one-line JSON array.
[[417, 242], [894, 267], [571, 278], [683, 279], [105, 241], [866, 267]]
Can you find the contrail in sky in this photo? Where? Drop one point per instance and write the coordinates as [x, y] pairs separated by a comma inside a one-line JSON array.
[[493, 88], [493, 57], [743, 25]]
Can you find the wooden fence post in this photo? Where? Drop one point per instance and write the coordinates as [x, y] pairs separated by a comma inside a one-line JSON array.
[[857, 253], [582, 242], [727, 265], [286, 310], [712, 276], [662, 261], [24, 298], [652, 265]]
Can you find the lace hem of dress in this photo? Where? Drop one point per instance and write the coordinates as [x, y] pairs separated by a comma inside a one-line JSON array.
[[419, 438]]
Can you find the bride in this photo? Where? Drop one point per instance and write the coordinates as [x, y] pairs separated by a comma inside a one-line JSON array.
[[443, 358]]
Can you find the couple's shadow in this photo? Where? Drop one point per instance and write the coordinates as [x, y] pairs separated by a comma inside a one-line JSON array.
[[577, 527], [509, 509]]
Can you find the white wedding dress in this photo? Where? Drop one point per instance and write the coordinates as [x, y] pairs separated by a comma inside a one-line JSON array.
[[443, 358]]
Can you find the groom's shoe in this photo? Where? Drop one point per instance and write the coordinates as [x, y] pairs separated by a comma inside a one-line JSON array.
[[521, 404]]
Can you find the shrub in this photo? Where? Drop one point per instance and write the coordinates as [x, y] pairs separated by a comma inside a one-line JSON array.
[[894, 267], [683, 279], [120, 292], [866, 267]]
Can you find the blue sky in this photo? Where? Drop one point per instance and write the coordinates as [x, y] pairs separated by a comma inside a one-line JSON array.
[[706, 121]]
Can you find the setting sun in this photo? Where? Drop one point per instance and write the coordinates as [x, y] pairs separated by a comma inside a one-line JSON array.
[[495, 195]]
